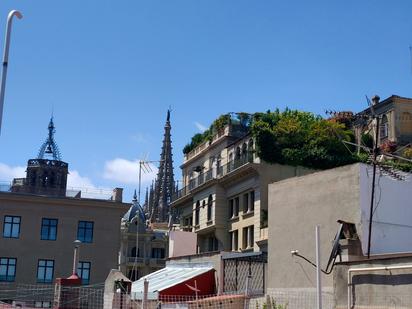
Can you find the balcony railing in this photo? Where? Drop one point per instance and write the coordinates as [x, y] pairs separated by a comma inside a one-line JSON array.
[[211, 174], [132, 259]]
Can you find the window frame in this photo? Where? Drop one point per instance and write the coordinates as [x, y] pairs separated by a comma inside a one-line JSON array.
[[46, 267], [197, 214], [81, 269], [83, 238], [12, 224], [48, 227], [209, 208], [8, 265]]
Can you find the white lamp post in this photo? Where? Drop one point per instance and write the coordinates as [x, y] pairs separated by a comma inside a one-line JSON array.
[[76, 255], [6, 58]]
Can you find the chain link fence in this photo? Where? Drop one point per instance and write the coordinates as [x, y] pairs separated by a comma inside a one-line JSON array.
[[94, 297]]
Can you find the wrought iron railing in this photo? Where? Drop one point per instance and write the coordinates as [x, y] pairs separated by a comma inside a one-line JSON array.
[[214, 173]]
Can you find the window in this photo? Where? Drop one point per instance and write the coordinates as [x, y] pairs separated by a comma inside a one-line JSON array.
[[252, 201], [42, 304], [248, 237], [209, 208], [212, 243], [11, 227], [135, 252], [7, 269], [48, 229], [188, 222], [158, 253], [236, 210], [45, 270], [245, 203], [197, 213], [234, 207], [234, 240], [85, 231], [384, 128], [83, 271]]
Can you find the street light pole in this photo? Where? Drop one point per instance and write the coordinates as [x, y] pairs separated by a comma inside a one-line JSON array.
[[6, 58]]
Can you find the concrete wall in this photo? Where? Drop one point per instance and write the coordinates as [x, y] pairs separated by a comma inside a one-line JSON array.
[[392, 218], [375, 288], [29, 248], [296, 206]]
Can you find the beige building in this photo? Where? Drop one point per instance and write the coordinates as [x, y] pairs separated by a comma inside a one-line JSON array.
[[224, 194], [395, 115], [143, 248], [38, 234], [39, 221]]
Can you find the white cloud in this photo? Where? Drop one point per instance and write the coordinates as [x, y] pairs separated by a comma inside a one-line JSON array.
[[7, 173], [127, 172], [200, 127], [75, 180]]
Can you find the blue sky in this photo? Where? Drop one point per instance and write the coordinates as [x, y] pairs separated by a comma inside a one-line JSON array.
[[111, 69]]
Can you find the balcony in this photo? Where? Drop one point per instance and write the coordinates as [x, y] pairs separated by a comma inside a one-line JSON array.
[[211, 174], [132, 260]]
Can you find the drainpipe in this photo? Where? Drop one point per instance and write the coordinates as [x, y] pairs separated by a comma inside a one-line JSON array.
[[366, 269]]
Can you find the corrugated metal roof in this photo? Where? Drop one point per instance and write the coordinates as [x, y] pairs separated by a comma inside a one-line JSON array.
[[166, 278]]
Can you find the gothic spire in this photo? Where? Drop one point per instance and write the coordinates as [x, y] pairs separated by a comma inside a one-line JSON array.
[[164, 185], [49, 147]]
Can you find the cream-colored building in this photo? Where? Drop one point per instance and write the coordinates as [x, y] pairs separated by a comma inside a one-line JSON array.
[[225, 189], [148, 254], [395, 115]]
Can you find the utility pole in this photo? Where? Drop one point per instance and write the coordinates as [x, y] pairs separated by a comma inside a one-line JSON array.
[[6, 59], [375, 156]]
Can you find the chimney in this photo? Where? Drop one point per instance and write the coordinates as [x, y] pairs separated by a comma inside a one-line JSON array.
[[375, 99], [117, 195]]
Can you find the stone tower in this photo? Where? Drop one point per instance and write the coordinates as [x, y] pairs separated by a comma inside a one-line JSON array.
[[164, 183], [47, 174]]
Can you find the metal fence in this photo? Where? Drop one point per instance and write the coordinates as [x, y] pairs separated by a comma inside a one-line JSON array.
[[245, 272], [94, 297], [214, 173]]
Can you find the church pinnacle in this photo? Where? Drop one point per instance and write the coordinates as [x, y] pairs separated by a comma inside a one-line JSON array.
[[164, 183]]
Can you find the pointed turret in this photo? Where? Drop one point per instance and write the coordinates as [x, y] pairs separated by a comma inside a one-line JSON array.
[[47, 174], [164, 185]]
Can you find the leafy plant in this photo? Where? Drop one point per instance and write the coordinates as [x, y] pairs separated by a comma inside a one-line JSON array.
[[301, 138]]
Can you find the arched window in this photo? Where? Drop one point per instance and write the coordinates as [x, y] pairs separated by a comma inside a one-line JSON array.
[[384, 128], [209, 207], [219, 165], [237, 156], [197, 213], [250, 150], [244, 151], [134, 252]]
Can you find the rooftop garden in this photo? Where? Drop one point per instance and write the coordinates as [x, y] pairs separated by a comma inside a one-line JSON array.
[[294, 137]]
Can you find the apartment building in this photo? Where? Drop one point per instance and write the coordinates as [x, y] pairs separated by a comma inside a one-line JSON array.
[[143, 247], [225, 189]]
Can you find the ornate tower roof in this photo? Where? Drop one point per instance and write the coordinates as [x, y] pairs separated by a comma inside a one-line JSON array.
[[164, 185], [47, 174], [135, 211], [49, 147]]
